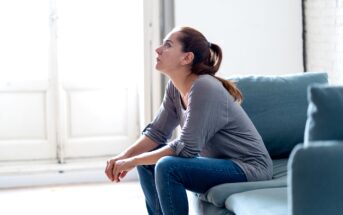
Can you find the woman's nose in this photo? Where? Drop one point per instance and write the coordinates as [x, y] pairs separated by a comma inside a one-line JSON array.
[[158, 50]]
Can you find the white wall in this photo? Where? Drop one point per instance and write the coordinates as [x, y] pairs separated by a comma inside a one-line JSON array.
[[257, 37], [324, 37]]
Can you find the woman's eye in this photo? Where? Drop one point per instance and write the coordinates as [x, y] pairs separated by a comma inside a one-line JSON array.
[[166, 45]]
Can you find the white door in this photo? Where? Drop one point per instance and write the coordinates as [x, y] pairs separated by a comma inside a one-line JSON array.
[[100, 54], [27, 121], [69, 89]]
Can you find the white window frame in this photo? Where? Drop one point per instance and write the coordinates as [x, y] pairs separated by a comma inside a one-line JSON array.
[[15, 174]]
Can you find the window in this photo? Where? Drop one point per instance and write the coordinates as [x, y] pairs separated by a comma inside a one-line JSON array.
[[68, 86]]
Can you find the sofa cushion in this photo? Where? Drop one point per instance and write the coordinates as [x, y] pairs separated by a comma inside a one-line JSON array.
[[264, 201], [325, 113], [199, 207], [218, 194], [277, 106]]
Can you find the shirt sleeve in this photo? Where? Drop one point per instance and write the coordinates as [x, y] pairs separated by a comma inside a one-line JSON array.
[[161, 128], [206, 114]]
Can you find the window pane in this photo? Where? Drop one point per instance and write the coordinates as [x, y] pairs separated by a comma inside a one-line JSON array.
[[24, 40], [100, 40]]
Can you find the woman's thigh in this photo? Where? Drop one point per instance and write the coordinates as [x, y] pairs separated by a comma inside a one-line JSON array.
[[201, 173]]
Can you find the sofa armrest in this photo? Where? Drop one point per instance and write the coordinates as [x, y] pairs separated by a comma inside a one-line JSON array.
[[315, 179]]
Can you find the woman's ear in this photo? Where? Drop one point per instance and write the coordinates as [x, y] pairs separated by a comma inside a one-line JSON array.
[[188, 58]]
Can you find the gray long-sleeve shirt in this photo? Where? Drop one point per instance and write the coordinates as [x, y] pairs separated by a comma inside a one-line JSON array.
[[213, 125]]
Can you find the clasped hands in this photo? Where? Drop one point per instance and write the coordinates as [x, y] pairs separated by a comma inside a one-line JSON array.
[[117, 168]]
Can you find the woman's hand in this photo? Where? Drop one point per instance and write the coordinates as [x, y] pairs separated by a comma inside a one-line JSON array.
[[110, 165], [117, 168], [142, 145]]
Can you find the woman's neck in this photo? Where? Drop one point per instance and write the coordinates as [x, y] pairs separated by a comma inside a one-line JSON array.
[[183, 82]]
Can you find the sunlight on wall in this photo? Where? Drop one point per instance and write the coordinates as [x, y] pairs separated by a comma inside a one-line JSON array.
[[95, 43], [24, 40]]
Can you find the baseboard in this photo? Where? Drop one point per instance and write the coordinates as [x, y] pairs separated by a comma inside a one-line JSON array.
[[26, 175]]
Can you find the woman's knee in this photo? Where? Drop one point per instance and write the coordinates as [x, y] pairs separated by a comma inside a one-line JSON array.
[[165, 164]]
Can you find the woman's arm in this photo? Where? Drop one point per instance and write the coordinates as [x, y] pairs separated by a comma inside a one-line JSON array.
[[117, 169], [147, 158], [138, 154], [150, 158], [143, 144]]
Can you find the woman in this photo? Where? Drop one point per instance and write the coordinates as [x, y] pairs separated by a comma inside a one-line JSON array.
[[218, 142]]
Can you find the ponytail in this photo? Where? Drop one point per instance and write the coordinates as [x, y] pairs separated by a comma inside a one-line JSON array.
[[231, 87], [214, 58], [207, 58]]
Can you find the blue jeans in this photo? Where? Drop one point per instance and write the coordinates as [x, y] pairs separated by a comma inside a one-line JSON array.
[[164, 184]]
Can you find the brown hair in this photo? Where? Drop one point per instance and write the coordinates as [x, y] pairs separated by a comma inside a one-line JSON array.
[[207, 57]]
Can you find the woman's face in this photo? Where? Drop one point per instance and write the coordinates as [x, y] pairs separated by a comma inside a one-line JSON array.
[[170, 56]]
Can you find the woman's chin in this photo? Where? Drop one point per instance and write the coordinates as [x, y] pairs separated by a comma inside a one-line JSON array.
[[157, 67]]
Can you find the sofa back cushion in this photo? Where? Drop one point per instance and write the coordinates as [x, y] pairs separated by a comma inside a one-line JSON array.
[[325, 113], [277, 105]]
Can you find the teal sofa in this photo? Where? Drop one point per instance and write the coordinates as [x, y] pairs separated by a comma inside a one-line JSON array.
[[304, 142]]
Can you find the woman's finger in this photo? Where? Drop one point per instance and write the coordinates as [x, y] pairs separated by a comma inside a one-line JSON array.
[[106, 170], [122, 174], [109, 170], [115, 172]]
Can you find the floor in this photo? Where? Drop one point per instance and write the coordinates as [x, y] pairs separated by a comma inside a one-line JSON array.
[[86, 199]]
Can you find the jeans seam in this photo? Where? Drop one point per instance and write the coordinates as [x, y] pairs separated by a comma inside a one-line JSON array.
[[157, 204], [169, 195]]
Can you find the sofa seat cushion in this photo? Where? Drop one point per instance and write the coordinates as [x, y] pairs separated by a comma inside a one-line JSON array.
[[218, 194], [272, 201], [199, 207], [277, 106]]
